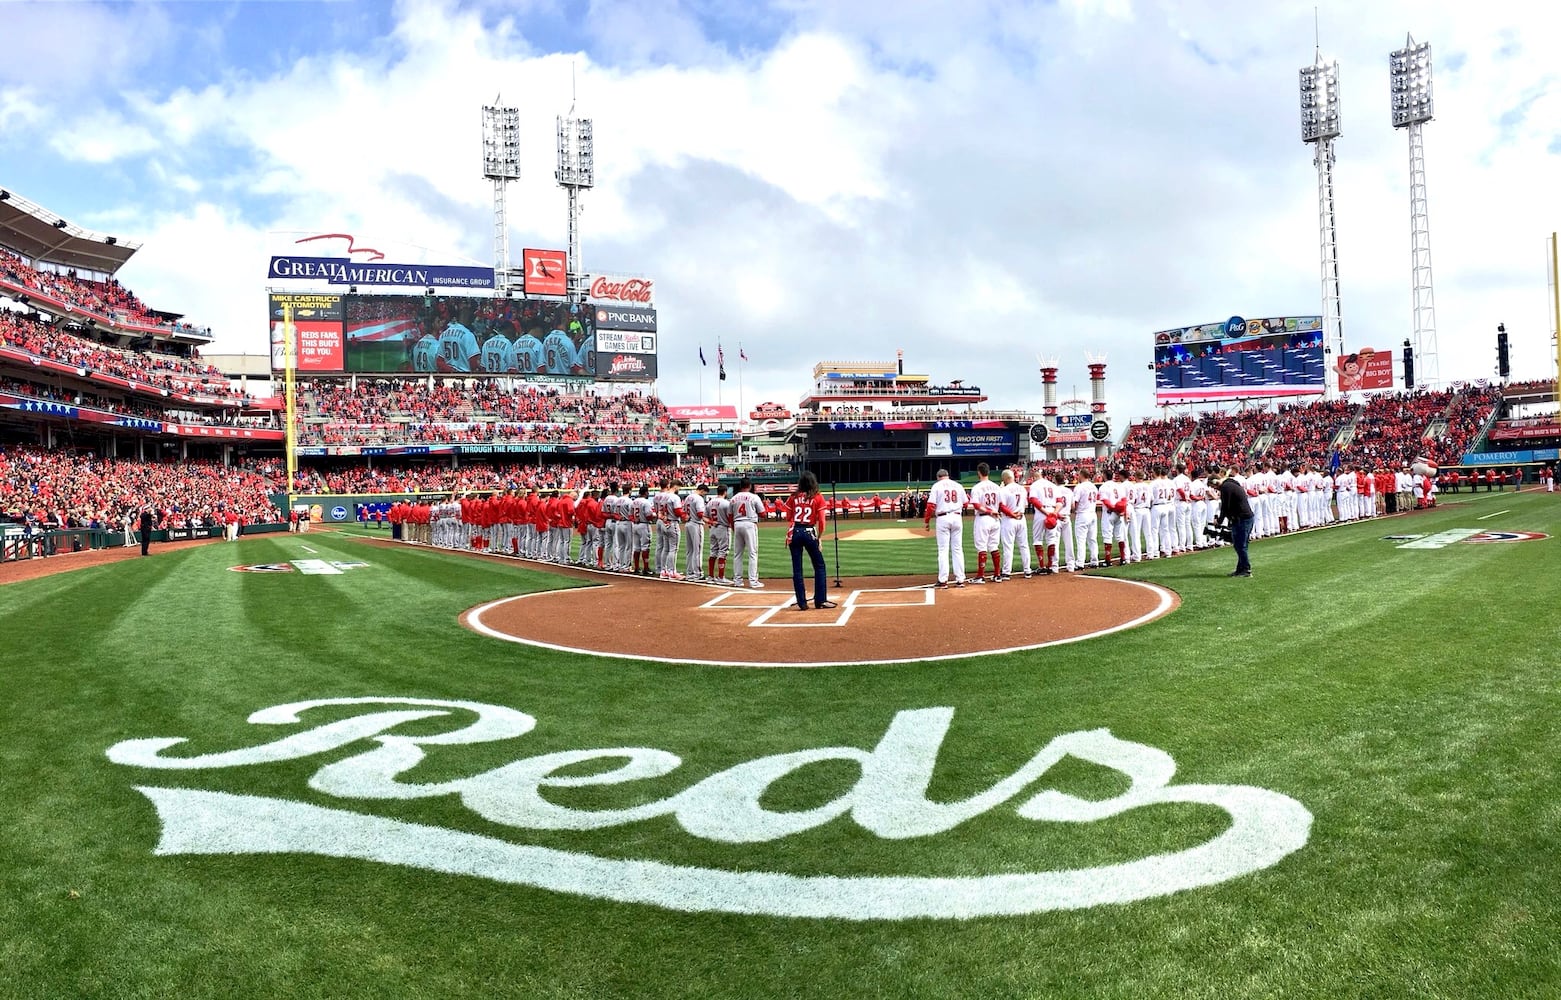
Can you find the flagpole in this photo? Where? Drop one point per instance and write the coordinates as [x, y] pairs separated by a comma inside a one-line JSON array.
[[739, 401]]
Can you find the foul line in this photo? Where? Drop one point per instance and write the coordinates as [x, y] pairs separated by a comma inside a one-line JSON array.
[[1484, 516], [1166, 600]]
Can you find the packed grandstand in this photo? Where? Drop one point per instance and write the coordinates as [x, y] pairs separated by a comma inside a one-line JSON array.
[[106, 407]]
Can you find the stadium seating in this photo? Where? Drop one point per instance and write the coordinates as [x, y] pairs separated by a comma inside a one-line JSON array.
[[108, 299], [155, 369], [404, 477], [81, 487]]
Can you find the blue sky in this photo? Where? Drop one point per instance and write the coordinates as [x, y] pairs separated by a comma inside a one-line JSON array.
[[976, 183]]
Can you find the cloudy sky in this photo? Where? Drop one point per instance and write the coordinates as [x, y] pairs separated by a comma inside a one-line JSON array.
[[975, 182]]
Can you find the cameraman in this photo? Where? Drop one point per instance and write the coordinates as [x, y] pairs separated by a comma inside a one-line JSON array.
[[1236, 512]]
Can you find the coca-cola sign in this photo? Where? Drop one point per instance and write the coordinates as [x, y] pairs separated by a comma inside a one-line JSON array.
[[610, 288], [364, 757]]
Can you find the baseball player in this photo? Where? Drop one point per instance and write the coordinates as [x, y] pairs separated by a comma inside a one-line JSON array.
[[1113, 501], [529, 356], [498, 354], [668, 509], [1182, 483], [424, 353], [612, 510], [984, 497], [558, 353], [746, 511], [1139, 524], [1162, 515], [946, 502], [458, 350], [1065, 554], [1043, 527], [694, 533], [1086, 545], [718, 512], [641, 512], [1013, 498]]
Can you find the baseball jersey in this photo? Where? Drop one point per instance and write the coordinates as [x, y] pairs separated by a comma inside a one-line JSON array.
[[585, 356], [984, 496], [1085, 494], [747, 507], [946, 497], [808, 512], [1043, 495], [719, 512], [1064, 501], [528, 355], [694, 507], [424, 352], [558, 352], [1112, 492], [641, 510], [666, 505], [1161, 491], [498, 355], [1013, 497], [457, 345]]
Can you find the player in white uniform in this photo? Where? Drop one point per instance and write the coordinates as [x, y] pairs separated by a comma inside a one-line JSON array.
[[984, 498], [529, 357], [1086, 497], [1013, 498], [1113, 530], [1139, 523], [668, 508], [718, 512], [1162, 516], [458, 349], [694, 533], [1344, 493], [1182, 483], [558, 353], [946, 503], [746, 511], [1065, 555], [1043, 528]]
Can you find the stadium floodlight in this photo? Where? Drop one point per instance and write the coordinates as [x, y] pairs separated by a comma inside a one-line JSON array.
[[576, 172], [1320, 126], [500, 164], [1409, 86]]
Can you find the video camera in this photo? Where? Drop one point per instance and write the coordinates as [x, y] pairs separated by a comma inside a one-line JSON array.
[[1219, 532]]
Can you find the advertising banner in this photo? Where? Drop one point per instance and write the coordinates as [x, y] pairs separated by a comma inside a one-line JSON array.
[[1366, 369], [625, 318], [626, 367], [545, 272], [1515, 431], [622, 291], [704, 414], [317, 321], [342, 271], [621, 341], [467, 335], [941, 444], [1240, 359], [769, 411]]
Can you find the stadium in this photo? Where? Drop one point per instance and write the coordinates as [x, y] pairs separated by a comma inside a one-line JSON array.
[[485, 670]]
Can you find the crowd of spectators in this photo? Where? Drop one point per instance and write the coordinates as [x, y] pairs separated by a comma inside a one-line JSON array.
[[131, 408], [151, 368], [78, 488], [1153, 441], [394, 411], [108, 299], [1304, 433], [427, 477]]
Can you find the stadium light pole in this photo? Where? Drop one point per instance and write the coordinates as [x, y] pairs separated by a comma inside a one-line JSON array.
[[1319, 128], [500, 164], [1409, 82], [576, 172]]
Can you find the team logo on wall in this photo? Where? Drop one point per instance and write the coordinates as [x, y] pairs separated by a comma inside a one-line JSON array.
[[263, 568], [1506, 536], [887, 801]]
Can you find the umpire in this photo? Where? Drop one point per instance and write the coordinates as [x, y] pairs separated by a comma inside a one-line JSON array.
[[1235, 511]]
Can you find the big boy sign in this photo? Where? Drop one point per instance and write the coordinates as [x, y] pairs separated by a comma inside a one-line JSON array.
[[888, 800]]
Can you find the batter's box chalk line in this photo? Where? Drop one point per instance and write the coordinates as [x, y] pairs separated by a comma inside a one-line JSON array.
[[784, 615]]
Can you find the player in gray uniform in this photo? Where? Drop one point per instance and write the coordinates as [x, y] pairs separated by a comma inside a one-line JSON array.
[[718, 512], [746, 511], [669, 516], [694, 533], [612, 508], [641, 513]]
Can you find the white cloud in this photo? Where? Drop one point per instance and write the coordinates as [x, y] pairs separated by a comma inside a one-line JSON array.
[[975, 183]]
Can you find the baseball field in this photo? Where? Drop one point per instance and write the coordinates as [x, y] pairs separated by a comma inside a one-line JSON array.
[[309, 778]]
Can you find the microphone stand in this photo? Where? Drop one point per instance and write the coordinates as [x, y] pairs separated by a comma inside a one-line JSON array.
[[835, 527]]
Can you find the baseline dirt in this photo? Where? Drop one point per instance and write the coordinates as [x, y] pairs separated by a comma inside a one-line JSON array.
[[879, 620], [32, 569]]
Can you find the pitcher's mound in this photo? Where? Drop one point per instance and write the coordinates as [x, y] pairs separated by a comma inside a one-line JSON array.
[[883, 534]]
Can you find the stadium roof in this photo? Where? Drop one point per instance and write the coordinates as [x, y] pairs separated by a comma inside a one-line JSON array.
[[40, 235]]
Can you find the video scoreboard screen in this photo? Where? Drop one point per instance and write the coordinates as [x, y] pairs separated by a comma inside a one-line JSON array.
[[1240, 359]]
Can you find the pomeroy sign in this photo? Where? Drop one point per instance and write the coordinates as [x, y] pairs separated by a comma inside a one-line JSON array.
[[629, 291], [888, 800], [546, 272]]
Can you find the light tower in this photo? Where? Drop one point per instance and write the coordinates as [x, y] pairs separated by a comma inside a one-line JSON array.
[[1319, 127], [500, 164], [1409, 77], [576, 172]]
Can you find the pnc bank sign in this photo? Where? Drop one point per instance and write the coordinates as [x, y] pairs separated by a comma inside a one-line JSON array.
[[888, 800]]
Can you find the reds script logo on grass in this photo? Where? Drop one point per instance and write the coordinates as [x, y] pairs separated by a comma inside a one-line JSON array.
[[263, 568], [889, 800]]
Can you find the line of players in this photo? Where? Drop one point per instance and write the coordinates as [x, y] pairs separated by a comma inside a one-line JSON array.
[[619, 529], [1142, 517]]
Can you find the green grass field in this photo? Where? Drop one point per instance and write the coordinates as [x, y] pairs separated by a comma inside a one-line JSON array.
[[1407, 699]]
